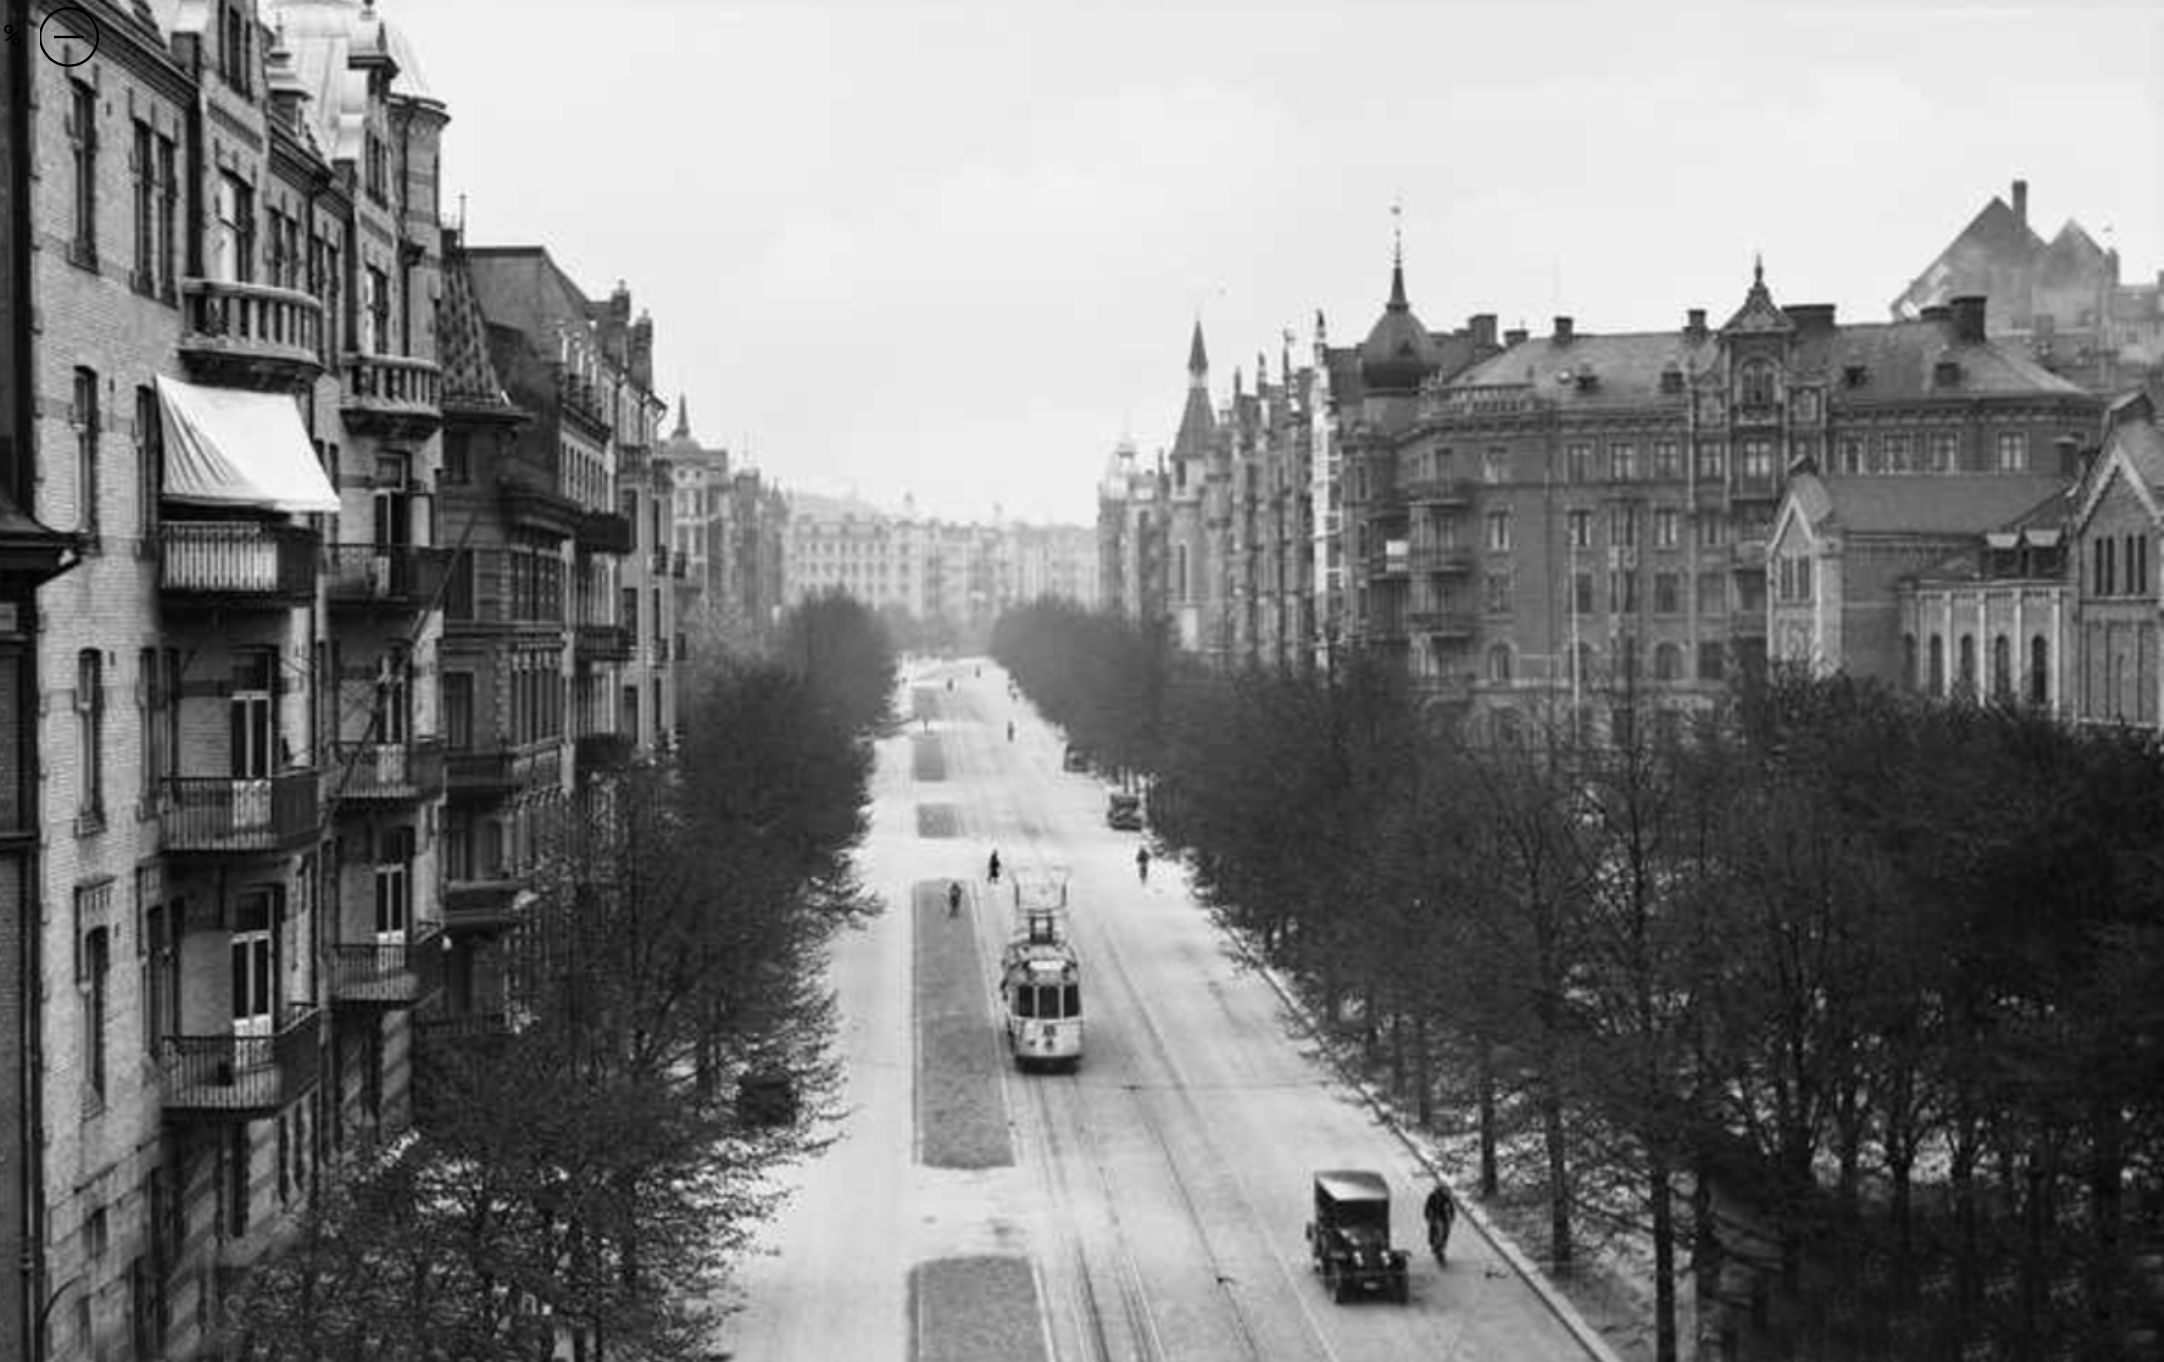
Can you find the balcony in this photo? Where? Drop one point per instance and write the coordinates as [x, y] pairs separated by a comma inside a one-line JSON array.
[[678, 567], [502, 770], [659, 567], [392, 396], [1386, 503], [224, 815], [384, 576], [1388, 564], [603, 752], [395, 974], [1456, 624], [1442, 561], [533, 501], [581, 396], [605, 532], [1386, 630], [236, 564], [601, 643], [481, 905], [1440, 492], [378, 773], [241, 1078], [1749, 555], [250, 335]]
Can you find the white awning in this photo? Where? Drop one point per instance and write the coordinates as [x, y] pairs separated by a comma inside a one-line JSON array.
[[231, 447]]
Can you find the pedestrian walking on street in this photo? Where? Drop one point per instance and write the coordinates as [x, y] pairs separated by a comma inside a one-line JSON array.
[[954, 899], [1142, 864], [994, 875], [1441, 1209], [1010, 730]]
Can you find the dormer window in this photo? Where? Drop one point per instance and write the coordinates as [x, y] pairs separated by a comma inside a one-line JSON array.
[[1671, 381], [1855, 376], [1946, 374]]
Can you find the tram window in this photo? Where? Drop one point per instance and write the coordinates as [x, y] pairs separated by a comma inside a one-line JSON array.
[[1025, 1000], [1071, 1000]]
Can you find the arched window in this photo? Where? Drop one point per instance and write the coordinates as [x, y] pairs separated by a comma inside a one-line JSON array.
[[1908, 661], [1667, 662], [1499, 664], [1938, 666], [1967, 664], [2002, 669], [2039, 671]]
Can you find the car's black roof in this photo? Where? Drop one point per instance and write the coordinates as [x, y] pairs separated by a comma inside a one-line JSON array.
[[1352, 1184]]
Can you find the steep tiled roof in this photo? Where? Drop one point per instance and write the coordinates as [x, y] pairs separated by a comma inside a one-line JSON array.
[[1626, 365], [1936, 504], [469, 376], [1995, 241]]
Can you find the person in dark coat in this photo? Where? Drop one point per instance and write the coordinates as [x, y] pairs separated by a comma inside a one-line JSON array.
[[1441, 1209], [994, 875], [954, 898]]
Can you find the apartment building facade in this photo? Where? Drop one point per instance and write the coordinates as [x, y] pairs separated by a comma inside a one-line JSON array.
[[236, 424], [730, 528], [957, 573]]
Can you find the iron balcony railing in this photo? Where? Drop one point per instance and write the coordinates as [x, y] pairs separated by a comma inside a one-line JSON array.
[[602, 642], [387, 973], [237, 561], [1439, 492], [481, 905], [250, 322], [500, 770], [1441, 560], [230, 814], [384, 574], [387, 772], [1447, 623], [603, 751], [242, 1077], [605, 532]]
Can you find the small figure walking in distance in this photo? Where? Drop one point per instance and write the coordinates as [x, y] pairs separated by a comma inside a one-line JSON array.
[[1441, 1209], [1142, 864], [954, 898], [994, 875]]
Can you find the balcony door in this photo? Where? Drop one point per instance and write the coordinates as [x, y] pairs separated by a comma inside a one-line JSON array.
[[393, 514], [391, 723], [255, 966], [253, 713], [394, 887]]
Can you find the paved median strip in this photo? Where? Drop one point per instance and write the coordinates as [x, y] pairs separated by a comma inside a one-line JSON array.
[[982, 1309], [938, 820], [961, 1113], [927, 759]]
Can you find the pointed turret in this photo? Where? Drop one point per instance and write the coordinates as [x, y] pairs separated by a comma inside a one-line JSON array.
[[1198, 360], [683, 420]]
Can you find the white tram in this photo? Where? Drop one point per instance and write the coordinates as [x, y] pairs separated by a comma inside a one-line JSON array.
[[1040, 983]]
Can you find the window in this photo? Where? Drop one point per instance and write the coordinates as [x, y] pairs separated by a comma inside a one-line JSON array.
[[83, 136], [1895, 450], [1667, 662], [2137, 565], [1581, 529], [143, 165], [1622, 591], [1495, 465], [2039, 671], [2013, 451], [86, 452], [160, 949], [233, 1181], [2002, 669], [1499, 663], [1666, 527], [378, 303], [1496, 593], [1755, 386], [1498, 532], [394, 892], [1712, 593], [1968, 666], [1851, 455], [1581, 593], [1712, 460], [1667, 461], [1582, 663], [1579, 457], [1622, 527], [149, 459], [1667, 593], [168, 215], [90, 731], [97, 970], [236, 50], [1712, 529], [1622, 463], [158, 684], [1757, 461], [1945, 450], [1712, 660], [1807, 404]]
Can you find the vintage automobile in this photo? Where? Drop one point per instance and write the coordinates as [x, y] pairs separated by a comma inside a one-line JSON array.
[[1124, 811], [1349, 1238]]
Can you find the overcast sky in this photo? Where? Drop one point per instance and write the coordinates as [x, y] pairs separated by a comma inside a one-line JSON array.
[[956, 250]]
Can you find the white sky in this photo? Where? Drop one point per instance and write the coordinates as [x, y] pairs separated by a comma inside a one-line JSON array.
[[954, 250]]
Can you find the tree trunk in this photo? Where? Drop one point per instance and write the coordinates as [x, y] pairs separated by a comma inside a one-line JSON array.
[[1490, 1170], [1661, 1191], [1552, 1131], [1423, 1071], [2106, 1209]]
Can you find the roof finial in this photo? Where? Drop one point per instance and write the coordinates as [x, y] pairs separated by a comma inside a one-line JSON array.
[[683, 419], [1758, 267], [1397, 256]]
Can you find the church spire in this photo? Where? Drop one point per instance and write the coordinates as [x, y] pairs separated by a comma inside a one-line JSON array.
[[683, 420], [1198, 362], [1397, 258]]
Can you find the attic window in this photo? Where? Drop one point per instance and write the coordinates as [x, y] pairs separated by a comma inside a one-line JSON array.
[[1946, 373], [1587, 380], [1671, 381], [1855, 376]]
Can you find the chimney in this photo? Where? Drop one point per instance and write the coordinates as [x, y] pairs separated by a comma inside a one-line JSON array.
[[1967, 316], [1562, 330], [1514, 336], [615, 322], [642, 352], [1695, 324], [1482, 327], [2021, 202], [1811, 318]]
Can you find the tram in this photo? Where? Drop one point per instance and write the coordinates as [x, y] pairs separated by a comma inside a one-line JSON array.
[[1040, 983]]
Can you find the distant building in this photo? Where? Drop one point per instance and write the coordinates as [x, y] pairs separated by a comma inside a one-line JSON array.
[[730, 526], [2114, 558], [2063, 299], [957, 572]]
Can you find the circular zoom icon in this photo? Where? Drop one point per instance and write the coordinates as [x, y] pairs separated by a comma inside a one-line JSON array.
[[69, 36]]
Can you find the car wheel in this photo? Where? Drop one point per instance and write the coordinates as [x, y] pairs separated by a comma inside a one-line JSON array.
[[1343, 1291]]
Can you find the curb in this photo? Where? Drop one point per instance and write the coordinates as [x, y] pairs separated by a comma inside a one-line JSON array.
[[1558, 1305]]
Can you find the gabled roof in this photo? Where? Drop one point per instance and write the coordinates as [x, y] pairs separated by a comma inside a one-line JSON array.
[[1759, 313], [1994, 240], [1927, 504], [2133, 449]]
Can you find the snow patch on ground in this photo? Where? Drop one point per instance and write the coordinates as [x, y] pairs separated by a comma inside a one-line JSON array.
[[939, 820], [927, 759], [961, 1114], [982, 1309]]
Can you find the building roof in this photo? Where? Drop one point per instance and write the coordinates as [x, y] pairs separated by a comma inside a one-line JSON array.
[[1625, 365], [1198, 424], [324, 36], [1996, 240], [1926, 504], [1398, 354], [470, 380]]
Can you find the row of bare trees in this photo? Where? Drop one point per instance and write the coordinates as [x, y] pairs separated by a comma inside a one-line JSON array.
[[1845, 1009], [583, 1174]]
